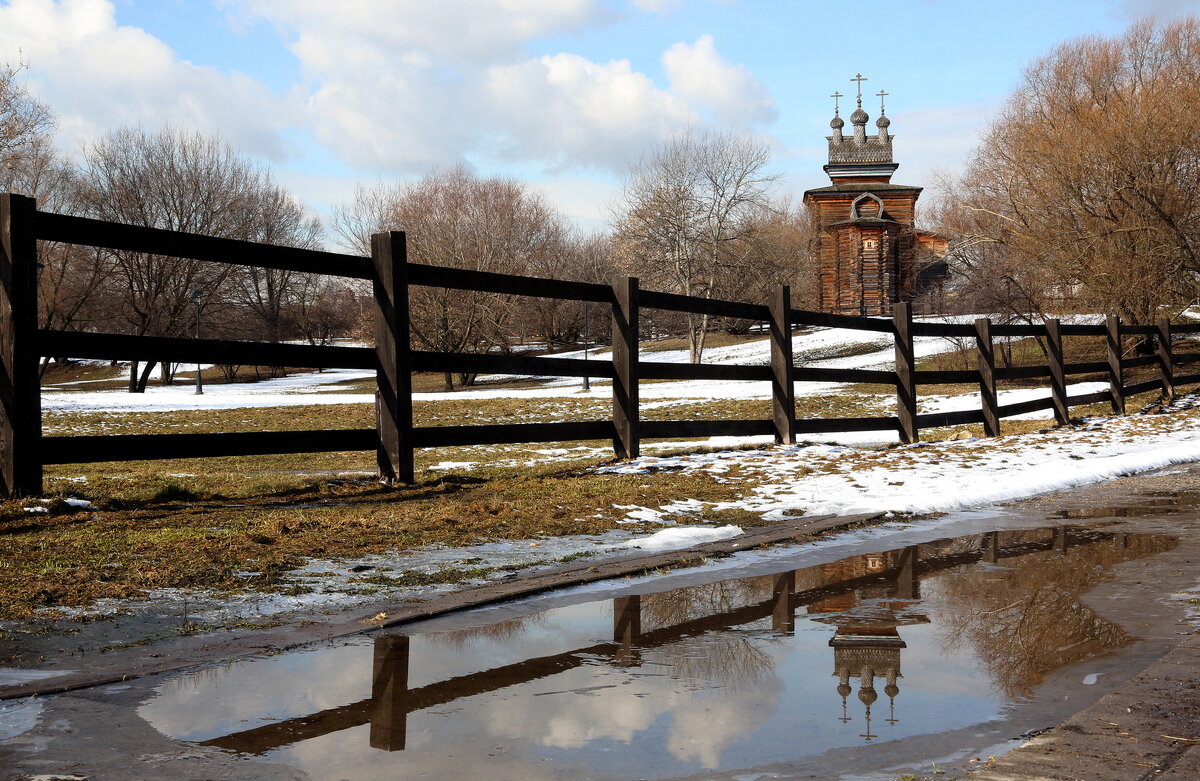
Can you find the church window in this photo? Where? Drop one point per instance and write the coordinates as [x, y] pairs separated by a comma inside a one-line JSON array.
[[870, 244]]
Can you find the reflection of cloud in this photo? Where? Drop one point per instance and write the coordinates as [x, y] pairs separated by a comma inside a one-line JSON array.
[[220, 700], [695, 736], [609, 714], [344, 755]]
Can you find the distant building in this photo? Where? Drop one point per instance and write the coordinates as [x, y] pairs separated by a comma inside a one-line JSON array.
[[870, 255]]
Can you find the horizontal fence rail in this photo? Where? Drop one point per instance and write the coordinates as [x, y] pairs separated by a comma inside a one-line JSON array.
[[24, 451], [155, 241], [218, 351], [147, 447]]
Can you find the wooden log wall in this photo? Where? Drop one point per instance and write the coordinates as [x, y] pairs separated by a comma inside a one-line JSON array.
[[24, 451]]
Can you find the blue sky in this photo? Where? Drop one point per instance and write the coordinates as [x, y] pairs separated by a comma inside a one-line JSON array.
[[565, 94]]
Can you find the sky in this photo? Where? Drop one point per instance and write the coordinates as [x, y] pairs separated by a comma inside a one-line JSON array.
[[563, 94]]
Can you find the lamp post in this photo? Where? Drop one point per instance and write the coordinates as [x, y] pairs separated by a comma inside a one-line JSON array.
[[196, 296], [587, 382]]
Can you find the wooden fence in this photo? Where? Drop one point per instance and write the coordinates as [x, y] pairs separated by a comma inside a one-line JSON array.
[[24, 451]]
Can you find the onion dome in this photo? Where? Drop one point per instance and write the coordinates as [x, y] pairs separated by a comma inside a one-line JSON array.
[[891, 690], [844, 690], [867, 696], [883, 121], [859, 117], [837, 123]]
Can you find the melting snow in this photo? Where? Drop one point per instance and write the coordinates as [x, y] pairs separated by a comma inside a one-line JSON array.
[[683, 536]]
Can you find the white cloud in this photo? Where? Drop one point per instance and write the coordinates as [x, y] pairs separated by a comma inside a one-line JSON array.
[[458, 29], [938, 139], [569, 110], [401, 87], [97, 75], [388, 86], [699, 74], [1162, 10], [658, 6]]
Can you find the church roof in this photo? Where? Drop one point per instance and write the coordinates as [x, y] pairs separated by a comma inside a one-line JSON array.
[[862, 187], [865, 221]]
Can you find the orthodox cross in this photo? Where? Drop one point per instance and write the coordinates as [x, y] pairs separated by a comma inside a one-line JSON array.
[[860, 79], [835, 97], [882, 95]]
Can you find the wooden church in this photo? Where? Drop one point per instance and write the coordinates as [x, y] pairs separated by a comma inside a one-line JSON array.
[[869, 253]]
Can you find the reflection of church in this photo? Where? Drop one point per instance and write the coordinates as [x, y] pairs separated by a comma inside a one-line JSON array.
[[867, 643]]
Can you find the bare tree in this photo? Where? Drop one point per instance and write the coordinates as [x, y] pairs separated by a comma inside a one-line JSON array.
[[775, 248], [24, 121], [683, 210], [580, 258], [192, 183], [69, 275], [456, 219]]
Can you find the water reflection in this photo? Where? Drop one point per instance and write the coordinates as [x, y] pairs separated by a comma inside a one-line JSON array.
[[725, 674]]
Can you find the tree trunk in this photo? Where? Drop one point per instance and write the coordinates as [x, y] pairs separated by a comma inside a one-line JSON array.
[[137, 383]]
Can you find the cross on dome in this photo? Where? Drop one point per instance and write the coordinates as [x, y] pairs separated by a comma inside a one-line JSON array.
[[858, 77]]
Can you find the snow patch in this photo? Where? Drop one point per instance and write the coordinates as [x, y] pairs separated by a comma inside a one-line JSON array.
[[683, 537]]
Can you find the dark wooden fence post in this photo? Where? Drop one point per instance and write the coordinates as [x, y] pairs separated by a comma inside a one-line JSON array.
[[1116, 376], [389, 693], [783, 389], [20, 392], [393, 399], [906, 372], [1058, 378], [1165, 369], [625, 367], [986, 352]]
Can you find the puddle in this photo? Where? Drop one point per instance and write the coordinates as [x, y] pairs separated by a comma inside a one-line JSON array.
[[714, 678]]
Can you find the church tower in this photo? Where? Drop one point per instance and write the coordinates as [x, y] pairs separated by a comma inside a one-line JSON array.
[[867, 246]]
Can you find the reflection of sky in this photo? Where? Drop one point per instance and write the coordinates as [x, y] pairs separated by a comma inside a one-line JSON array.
[[596, 720]]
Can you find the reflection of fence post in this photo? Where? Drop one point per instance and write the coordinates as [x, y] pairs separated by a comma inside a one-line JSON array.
[[907, 585], [1060, 539], [389, 690], [20, 392], [393, 399], [783, 389], [991, 547], [1058, 377], [986, 353], [783, 611], [1116, 379], [1165, 370], [627, 626], [906, 374], [625, 367]]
